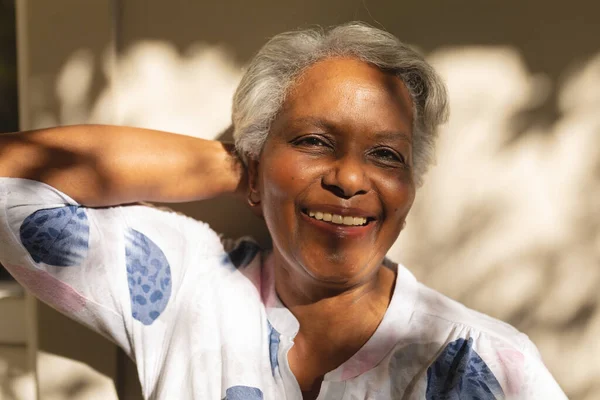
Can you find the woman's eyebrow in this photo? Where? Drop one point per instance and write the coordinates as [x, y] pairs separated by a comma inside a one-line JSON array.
[[388, 136], [314, 121]]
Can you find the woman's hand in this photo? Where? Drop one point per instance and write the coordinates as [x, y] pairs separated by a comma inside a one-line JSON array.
[[100, 165]]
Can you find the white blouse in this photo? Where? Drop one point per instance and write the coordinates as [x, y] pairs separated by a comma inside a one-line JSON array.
[[201, 318]]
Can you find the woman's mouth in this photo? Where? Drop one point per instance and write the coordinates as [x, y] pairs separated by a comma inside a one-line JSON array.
[[337, 219], [343, 226]]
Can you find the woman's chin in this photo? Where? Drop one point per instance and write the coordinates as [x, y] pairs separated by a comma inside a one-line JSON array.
[[332, 279], [340, 269], [338, 275]]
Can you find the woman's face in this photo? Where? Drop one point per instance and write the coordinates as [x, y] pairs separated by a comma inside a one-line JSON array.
[[335, 175]]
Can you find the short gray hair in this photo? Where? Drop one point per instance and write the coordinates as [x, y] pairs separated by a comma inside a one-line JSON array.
[[282, 59]]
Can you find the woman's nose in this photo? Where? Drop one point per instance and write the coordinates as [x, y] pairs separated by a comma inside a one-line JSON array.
[[346, 178]]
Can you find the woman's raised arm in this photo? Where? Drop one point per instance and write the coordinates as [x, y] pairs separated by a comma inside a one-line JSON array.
[[101, 165]]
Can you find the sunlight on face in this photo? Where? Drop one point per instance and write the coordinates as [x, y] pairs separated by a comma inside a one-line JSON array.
[[341, 145]]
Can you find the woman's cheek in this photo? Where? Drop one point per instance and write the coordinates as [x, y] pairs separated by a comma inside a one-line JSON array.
[[398, 193], [287, 175]]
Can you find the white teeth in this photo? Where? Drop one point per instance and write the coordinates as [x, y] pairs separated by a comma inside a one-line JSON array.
[[338, 219]]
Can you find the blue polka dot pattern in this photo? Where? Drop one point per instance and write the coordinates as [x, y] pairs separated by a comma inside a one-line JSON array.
[[148, 276], [273, 347], [243, 393], [459, 373], [57, 236]]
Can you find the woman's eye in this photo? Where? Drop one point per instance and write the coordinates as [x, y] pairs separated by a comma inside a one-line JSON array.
[[388, 155], [310, 141]]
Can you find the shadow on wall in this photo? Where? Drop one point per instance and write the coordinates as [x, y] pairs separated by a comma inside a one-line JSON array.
[[13, 372], [507, 222], [152, 86]]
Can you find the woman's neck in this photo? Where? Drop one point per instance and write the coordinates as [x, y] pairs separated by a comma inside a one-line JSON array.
[[334, 324]]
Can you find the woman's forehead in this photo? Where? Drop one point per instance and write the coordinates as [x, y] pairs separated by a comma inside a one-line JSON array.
[[346, 91]]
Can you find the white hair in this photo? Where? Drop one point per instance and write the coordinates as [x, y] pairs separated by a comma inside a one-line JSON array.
[[282, 59]]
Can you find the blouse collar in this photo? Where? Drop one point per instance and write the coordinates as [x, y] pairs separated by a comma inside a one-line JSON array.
[[392, 328]]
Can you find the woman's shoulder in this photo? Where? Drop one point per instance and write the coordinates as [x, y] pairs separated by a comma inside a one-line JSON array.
[[439, 309], [455, 340]]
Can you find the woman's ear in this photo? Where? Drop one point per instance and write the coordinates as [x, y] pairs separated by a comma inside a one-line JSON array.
[[254, 196], [252, 168]]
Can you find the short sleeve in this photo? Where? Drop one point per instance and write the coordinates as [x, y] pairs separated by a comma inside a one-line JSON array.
[[117, 270]]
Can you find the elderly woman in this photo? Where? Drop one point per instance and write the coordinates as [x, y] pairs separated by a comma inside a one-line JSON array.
[[334, 131]]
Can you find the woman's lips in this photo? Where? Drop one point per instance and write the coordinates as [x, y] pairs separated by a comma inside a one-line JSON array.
[[339, 210], [337, 218], [341, 230]]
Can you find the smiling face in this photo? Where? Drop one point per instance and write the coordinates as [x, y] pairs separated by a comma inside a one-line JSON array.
[[335, 174]]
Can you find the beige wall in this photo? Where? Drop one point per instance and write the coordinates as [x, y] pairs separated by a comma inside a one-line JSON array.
[[506, 223]]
